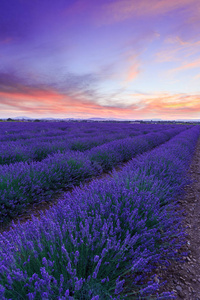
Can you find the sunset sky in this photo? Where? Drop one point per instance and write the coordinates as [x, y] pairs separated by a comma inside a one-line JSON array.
[[127, 59]]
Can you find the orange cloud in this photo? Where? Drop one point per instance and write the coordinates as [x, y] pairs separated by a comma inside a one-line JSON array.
[[159, 105], [169, 106], [41, 102], [180, 105]]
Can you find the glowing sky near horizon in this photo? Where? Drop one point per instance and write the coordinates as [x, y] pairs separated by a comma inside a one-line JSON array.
[[125, 59]]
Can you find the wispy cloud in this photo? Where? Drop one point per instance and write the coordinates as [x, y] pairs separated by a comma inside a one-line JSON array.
[[13, 81], [175, 48], [133, 67], [87, 57], [157, 105], [186, 66], [6, 40], [197, 77], [51, 102], [117, 11], [173, 105], [132, 73]]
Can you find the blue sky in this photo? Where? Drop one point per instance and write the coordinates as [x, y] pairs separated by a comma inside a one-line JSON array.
[[125, 59]]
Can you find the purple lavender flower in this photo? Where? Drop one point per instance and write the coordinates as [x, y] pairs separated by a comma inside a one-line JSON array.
[[96, 270], [96, 258], [95, 297], [31, 296], [67, 293], [78, 284], [119, 285], [126, 221]]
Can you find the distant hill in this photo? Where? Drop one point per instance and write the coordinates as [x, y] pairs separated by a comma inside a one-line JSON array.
[[100, 119]]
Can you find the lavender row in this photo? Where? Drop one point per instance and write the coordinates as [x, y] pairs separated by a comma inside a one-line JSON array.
[[113, 153], [39, 147], [103, 241], [26, 130], [37, 150], [23, 183]]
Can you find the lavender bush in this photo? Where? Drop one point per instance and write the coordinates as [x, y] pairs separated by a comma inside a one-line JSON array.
[[36, 149], [23, 183], [36, 142], [26, 130], [113, 153], [101, 242]]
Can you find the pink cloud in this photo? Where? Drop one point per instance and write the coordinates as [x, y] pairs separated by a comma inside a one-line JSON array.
[[160, 105], [168, 106], [7, 40], [132, 72], [186, 66], [120, 10], [130, 68], [175, 105], [175, 49], [109, 12], [197, 76], [43, 102]]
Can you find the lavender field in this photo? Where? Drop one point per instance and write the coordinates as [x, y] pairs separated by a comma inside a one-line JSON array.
[[103, 240]]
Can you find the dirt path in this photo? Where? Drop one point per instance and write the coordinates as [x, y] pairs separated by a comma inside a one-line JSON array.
[[184, 278]]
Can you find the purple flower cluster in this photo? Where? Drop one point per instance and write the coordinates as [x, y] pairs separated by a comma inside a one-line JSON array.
[[101, 242], [23, 183], [34, 142], [113, 153], [36, 149]]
